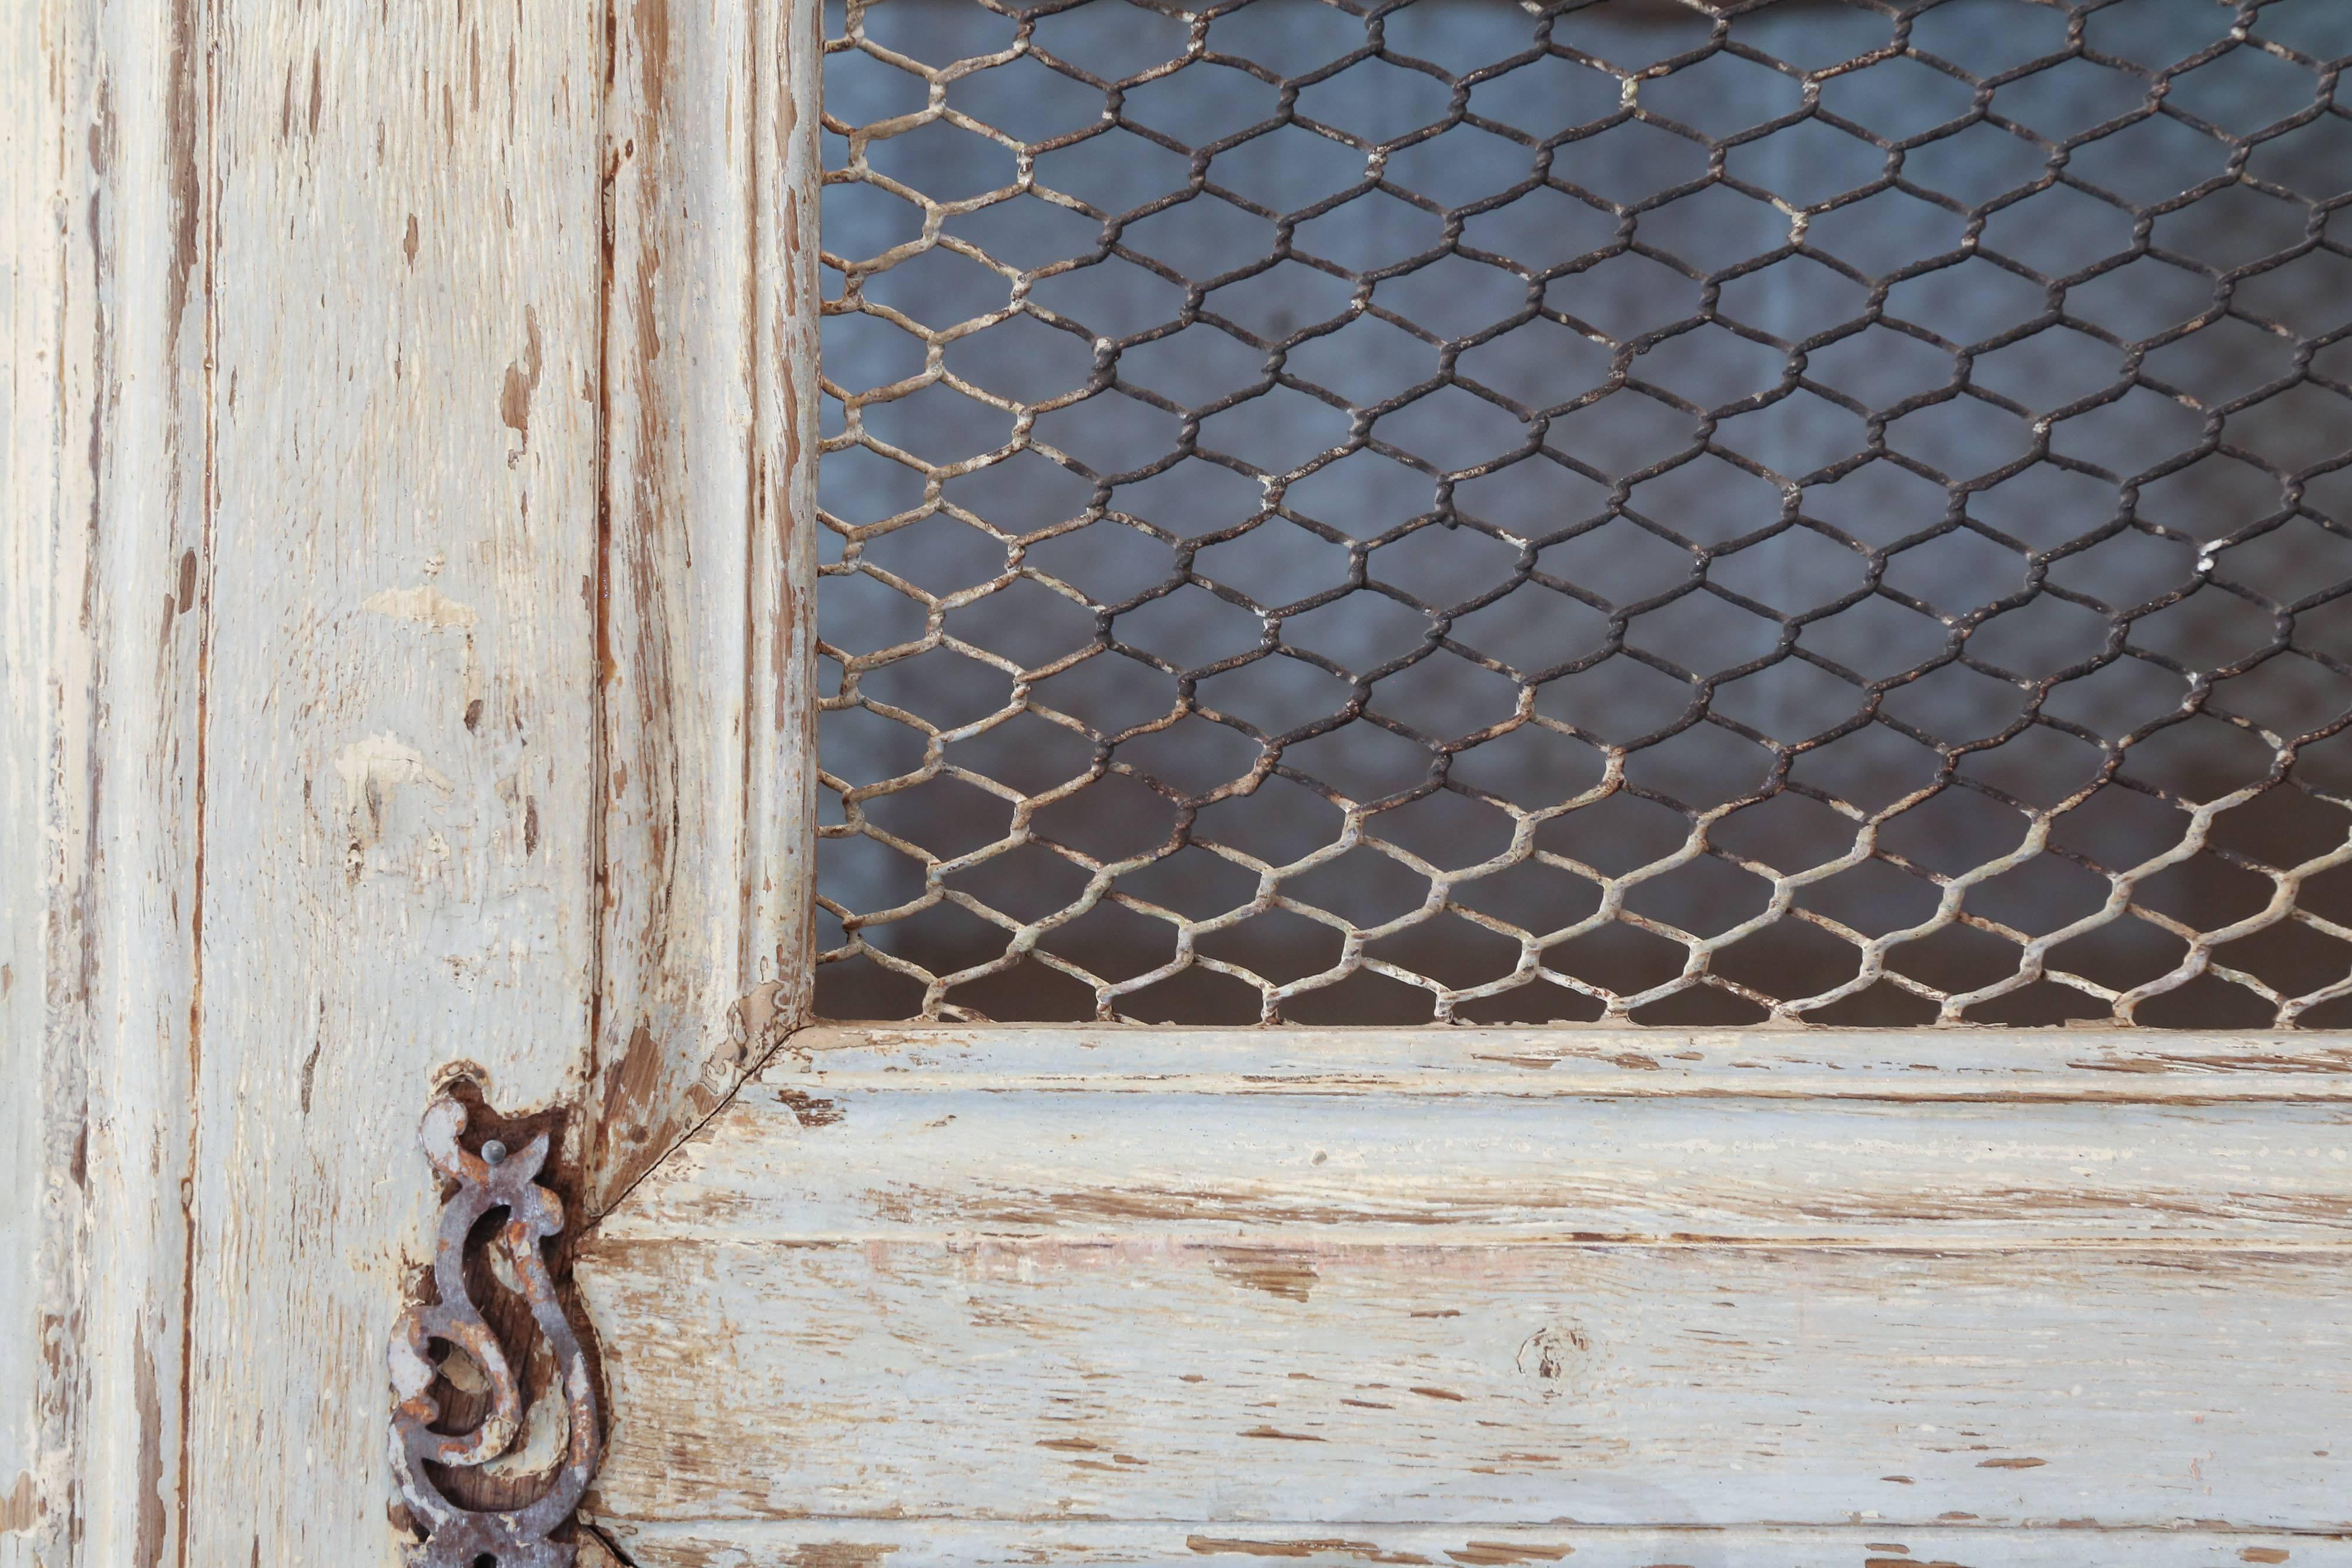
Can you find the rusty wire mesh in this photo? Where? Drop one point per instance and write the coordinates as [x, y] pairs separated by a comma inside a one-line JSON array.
[[1449, 509]]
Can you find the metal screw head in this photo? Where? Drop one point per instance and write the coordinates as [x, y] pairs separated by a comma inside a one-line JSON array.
[[494, 1151]]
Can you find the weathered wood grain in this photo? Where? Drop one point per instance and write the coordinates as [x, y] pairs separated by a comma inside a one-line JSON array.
[[46, 67], [36, 1201], [316, 720], [1279, 1377], [784, 1165], [155, 551], [1994, 1065], [778, 886], [708, 492], [400, 824], [894, 1543], [1316, 1278], [402, 607], [107, 562]]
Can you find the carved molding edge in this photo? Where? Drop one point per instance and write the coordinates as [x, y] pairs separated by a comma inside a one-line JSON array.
[[457, 1535]]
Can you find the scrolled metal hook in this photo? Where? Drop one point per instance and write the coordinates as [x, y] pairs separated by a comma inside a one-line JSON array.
[[489, 1179]]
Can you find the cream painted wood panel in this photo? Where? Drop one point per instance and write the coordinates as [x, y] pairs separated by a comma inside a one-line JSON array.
[[1279, 1376], [360, 730], [399, 819], [708, 477], [41, 1206], [1294, 1286], [102, 577]]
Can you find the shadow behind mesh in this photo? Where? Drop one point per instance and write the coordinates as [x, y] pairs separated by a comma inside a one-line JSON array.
[[1345, 513]]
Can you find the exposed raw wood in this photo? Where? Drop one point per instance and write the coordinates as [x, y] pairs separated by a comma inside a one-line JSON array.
[[1320, 1278], [891, 1544], [707, 776], [594, 1553]]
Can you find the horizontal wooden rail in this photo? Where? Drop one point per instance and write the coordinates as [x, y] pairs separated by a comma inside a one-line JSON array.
[[943, 1290]]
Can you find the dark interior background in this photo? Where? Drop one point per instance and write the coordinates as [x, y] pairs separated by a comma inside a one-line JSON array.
[[1995, 464]]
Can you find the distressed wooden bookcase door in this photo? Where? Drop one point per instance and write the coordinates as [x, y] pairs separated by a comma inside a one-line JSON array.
[[414, 559]]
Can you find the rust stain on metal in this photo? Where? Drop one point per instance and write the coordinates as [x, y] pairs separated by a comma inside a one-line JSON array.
[[490, 1180]]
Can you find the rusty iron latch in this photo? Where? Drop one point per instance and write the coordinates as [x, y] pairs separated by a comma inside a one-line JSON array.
[[503, 1443]]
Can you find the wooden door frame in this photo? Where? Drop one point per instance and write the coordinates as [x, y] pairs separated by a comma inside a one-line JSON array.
[[407, 628], [409, 464]]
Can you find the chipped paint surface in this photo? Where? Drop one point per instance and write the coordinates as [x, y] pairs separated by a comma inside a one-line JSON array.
[[320, 300], [329, 618], [710, 521], [108, 566], [2075, 1543], [20, 1506], [1318, 1293]]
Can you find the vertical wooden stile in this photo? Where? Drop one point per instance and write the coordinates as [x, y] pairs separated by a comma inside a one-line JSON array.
[[401, 679], [399, 824], [105, 597], [708, 487]]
